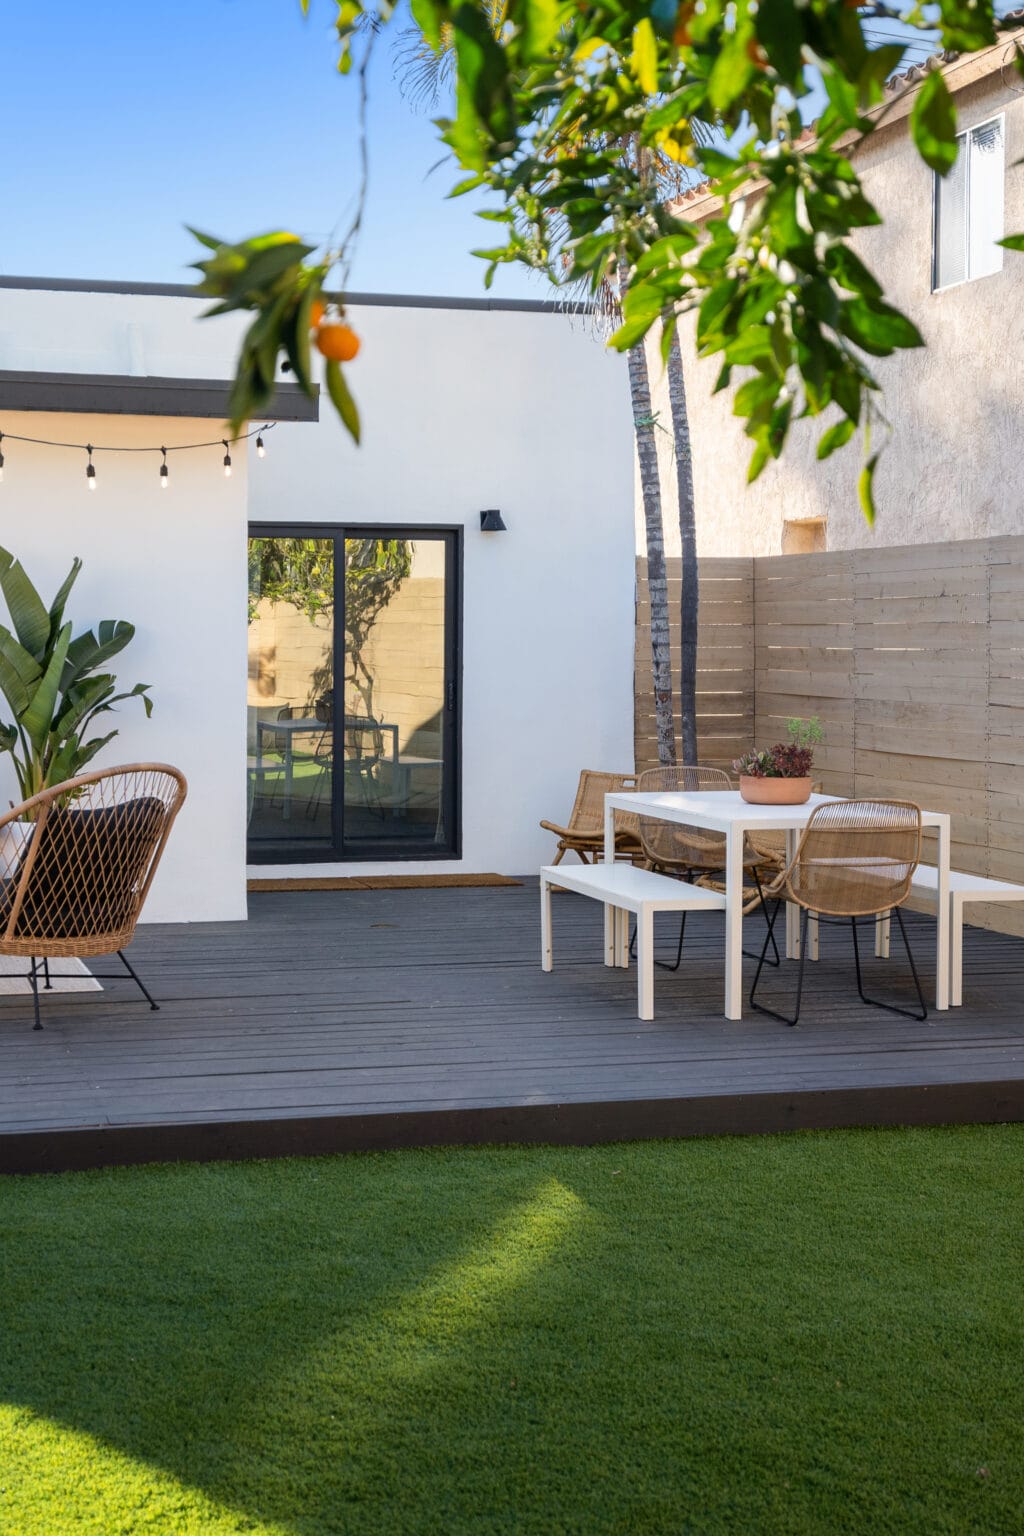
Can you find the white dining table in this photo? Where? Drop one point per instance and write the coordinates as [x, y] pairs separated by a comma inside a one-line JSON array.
[[727, 812]]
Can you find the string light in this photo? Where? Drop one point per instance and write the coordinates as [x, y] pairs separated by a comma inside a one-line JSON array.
[[164, 474]]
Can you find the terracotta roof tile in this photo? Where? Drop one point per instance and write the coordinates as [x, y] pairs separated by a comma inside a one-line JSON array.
[[915, 73]]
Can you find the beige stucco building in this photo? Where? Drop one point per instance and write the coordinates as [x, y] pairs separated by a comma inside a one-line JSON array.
[[954, 467]]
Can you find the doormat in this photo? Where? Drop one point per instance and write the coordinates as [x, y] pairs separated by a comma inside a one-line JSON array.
[[378, 882]]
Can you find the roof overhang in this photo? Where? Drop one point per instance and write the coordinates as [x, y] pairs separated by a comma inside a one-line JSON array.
[[112, 394]]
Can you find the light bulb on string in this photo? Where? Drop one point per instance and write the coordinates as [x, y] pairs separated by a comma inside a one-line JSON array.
[[227, 459], [164, 472], [261, 451], [90, 469]]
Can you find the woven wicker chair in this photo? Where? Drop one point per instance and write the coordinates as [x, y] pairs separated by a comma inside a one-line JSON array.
[[584, 833], [694, 853], [856, 858], [75, 884]]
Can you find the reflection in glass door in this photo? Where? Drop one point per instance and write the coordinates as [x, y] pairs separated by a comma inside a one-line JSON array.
[[353, 670]]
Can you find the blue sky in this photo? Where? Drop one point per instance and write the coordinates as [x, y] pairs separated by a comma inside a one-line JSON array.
[[121, 121]]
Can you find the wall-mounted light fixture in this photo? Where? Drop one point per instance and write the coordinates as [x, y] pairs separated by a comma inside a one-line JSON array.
[[490, 522]]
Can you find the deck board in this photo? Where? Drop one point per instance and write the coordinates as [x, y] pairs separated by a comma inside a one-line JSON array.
[[346, 1019]]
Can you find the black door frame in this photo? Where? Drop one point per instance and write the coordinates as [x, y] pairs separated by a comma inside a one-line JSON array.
[[451, 750]]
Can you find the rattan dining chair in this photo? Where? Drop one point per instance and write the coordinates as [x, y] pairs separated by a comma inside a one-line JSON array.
[[584, 832], [856, 858], [73, 884], [694, 853]]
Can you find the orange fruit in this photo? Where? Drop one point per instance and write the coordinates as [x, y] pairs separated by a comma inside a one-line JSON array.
[[316, 313], [681, 35], [338, 342]]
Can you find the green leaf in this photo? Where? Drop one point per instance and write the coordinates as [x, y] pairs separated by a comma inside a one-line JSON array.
[[86, 652], [631, 333], [540, 27], [866, 491], [16, 689], [295, 333], [428, 17], [28, 611], [644, 61], [933, 123], [758, 459], [835, 437], [780, 31], [60, 601], [1012, 242], [965, 25], [731, 72], [483, 101], [877, 327], [38, 717], [851, 273], [342, 399], [756, 392]]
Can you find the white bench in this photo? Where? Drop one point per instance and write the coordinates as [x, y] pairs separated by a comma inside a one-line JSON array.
[[624, 889], [962, 889]]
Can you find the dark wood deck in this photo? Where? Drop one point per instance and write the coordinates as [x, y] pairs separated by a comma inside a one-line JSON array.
[[334, 1021]]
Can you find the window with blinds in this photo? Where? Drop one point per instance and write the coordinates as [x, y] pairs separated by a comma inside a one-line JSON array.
[[969, 209]]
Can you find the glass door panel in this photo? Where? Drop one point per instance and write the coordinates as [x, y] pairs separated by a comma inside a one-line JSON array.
[[290, 756], [353, 694], [395, 675]]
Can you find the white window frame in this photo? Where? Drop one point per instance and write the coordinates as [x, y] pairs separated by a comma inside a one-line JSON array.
[[962, 138]]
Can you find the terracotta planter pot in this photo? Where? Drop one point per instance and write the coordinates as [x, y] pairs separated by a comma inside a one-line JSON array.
[[774, 791]]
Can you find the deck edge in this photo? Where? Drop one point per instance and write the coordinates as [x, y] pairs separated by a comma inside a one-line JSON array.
[[582, 1124]]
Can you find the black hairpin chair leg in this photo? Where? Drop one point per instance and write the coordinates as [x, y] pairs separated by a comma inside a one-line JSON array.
[[33, 981], [770, 939], [135, 977], [874, 1001]]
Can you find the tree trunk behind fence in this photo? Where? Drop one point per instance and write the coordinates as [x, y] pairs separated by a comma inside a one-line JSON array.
[[657, 580], [688, 541]]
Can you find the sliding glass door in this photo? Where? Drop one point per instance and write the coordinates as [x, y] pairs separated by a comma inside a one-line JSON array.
[[353, 693]]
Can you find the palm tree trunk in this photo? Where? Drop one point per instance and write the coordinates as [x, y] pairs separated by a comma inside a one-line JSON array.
[[688, 542], [657, 581]]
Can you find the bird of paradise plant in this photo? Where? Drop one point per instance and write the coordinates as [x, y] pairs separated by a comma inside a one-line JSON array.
[[51, 683]]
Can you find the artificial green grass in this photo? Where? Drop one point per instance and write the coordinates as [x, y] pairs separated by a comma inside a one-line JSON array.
[[813, 1333]]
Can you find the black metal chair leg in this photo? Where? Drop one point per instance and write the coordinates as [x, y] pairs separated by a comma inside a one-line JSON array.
[[666, 965], [769, 938], [124, 960], [874, 1002], [46, 972], [771, 933], [33, 980]]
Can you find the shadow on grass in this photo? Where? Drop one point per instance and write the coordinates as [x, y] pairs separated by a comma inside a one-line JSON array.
[[815, 1333]]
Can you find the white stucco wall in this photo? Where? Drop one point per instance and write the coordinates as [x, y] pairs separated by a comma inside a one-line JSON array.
[[526, 412], [173, 563], [952, 468], [463, 409]]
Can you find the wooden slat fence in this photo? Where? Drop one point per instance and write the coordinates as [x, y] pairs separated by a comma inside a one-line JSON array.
[[913, 659], [725, 660]]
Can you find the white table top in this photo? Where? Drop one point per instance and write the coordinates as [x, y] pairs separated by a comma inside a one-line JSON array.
[[721, 809]]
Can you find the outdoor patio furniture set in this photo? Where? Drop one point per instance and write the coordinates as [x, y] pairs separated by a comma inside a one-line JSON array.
[[683, 840]]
